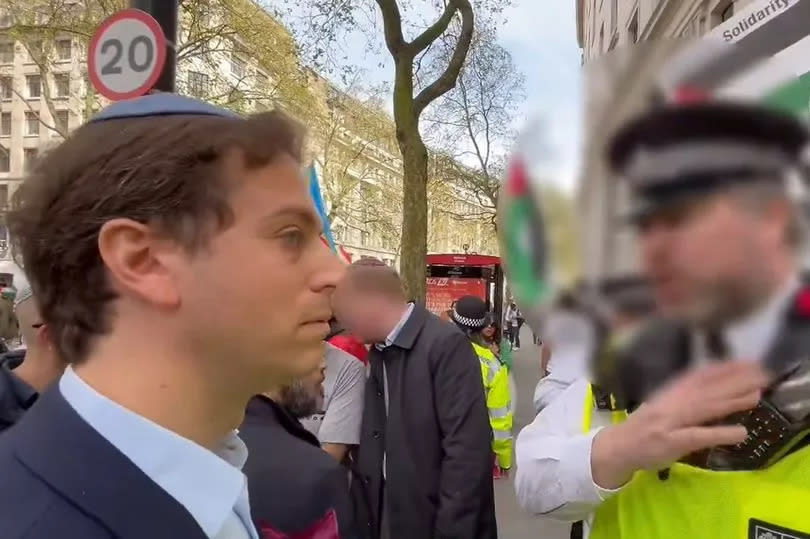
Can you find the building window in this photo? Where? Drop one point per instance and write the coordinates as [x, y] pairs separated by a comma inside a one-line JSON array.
[[3, 204], [5, 124], [727, 12], [31, 124], [62, 84], [64, 49], [34, 85], [364, 237], [29, 158], [262, 80], [5, 160], [198, 84], [339, 231], [35, 50], [632, 30], [61, 121], [6, 91], [238, 66], [5, 21], [7, 52]]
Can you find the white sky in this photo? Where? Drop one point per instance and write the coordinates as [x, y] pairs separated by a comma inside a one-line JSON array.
[[541, 35]]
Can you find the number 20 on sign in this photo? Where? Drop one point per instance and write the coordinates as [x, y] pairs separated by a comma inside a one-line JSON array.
[[126, 55]]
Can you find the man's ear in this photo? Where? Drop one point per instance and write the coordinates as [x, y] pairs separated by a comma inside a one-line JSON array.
[[136, 262], [44, 336]]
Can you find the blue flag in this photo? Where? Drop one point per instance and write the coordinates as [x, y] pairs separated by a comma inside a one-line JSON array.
[[320, 207]]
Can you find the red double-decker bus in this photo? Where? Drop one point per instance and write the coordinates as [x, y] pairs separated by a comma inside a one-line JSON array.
[[451, 276]]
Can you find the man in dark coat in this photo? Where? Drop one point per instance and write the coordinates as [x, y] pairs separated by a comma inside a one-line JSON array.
[[423, 468], [295, 486]]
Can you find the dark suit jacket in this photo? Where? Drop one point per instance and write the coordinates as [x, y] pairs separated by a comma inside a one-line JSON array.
[[436, 437], [16, 397], [293, 483], [61, 479]]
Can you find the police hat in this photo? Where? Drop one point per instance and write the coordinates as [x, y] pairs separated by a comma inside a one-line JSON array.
[[470, 312], [675, 152]]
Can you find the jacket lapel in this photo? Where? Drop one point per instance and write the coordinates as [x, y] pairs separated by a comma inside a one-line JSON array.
[[58, 446]]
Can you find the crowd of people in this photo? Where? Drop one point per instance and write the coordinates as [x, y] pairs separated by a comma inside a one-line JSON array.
[[319, 401]]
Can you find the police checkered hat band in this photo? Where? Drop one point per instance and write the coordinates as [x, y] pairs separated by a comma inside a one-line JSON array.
[[469, 322]]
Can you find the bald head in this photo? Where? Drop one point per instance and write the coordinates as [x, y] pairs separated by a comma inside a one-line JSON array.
[[42, 365]]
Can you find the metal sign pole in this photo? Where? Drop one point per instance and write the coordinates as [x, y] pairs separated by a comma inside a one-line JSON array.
[[165, 13]]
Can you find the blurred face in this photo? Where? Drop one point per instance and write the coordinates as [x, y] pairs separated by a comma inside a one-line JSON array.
[[703, 257], [488, 332], [256, 301], [359, 312]]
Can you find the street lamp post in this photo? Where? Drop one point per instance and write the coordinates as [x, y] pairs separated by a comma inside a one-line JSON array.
[[165, 12]]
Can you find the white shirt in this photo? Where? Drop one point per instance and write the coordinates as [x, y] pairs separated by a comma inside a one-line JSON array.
[[553, 455], [211, 486]]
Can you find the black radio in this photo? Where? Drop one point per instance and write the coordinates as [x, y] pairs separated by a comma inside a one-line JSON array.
[[777, 426]]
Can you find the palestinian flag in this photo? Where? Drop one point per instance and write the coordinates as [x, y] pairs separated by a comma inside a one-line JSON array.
[[522, 233], [760, 54]]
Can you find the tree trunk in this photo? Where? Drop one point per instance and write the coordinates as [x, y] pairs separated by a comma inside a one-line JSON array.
[[414, 214], [414, 183]]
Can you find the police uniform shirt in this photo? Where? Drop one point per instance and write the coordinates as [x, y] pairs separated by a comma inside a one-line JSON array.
[[553, 454]]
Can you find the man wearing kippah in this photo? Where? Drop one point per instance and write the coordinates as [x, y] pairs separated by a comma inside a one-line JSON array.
[[713, 442], [131, 232], [21, 384]]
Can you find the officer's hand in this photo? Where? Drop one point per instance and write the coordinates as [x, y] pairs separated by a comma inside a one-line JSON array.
[[673, 423]]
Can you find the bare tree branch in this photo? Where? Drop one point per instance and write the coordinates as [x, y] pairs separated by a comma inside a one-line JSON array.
[[447, 80]]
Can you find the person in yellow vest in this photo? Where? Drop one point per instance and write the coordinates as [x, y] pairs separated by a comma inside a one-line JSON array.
[[470, 314], [713, 443]]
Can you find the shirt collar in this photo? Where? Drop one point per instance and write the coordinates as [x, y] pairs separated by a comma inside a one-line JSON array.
[[389, 340], [208, 484], [752, 337]]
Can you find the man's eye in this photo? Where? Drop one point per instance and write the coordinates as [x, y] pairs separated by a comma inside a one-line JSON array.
[[293, 238]]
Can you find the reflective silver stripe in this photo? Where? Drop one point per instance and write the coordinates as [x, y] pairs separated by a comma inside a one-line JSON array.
[[491, 374], [502, 434], [492, 369], [500, 413]]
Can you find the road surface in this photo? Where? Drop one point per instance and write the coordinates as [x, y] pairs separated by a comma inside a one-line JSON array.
[[513, 523]]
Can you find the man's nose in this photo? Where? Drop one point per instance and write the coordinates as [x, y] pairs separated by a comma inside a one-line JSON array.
[[329, 272]]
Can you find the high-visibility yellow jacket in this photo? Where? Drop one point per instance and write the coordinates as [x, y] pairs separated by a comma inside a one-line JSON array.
[[499, 404], [693, 503]]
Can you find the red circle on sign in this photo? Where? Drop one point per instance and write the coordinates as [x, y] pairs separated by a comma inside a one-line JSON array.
[[160, 43]]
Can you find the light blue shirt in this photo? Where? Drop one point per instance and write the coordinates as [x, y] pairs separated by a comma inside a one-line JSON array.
[[211, 486], [392, 336]]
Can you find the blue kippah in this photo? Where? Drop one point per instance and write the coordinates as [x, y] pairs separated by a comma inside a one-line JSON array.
[[161, 104]]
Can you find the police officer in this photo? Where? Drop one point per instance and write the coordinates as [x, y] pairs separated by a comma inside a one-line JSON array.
[[720, 232], [470, 315]]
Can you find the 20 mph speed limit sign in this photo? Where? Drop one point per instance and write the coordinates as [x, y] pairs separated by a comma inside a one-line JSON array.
[[126, 55]]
